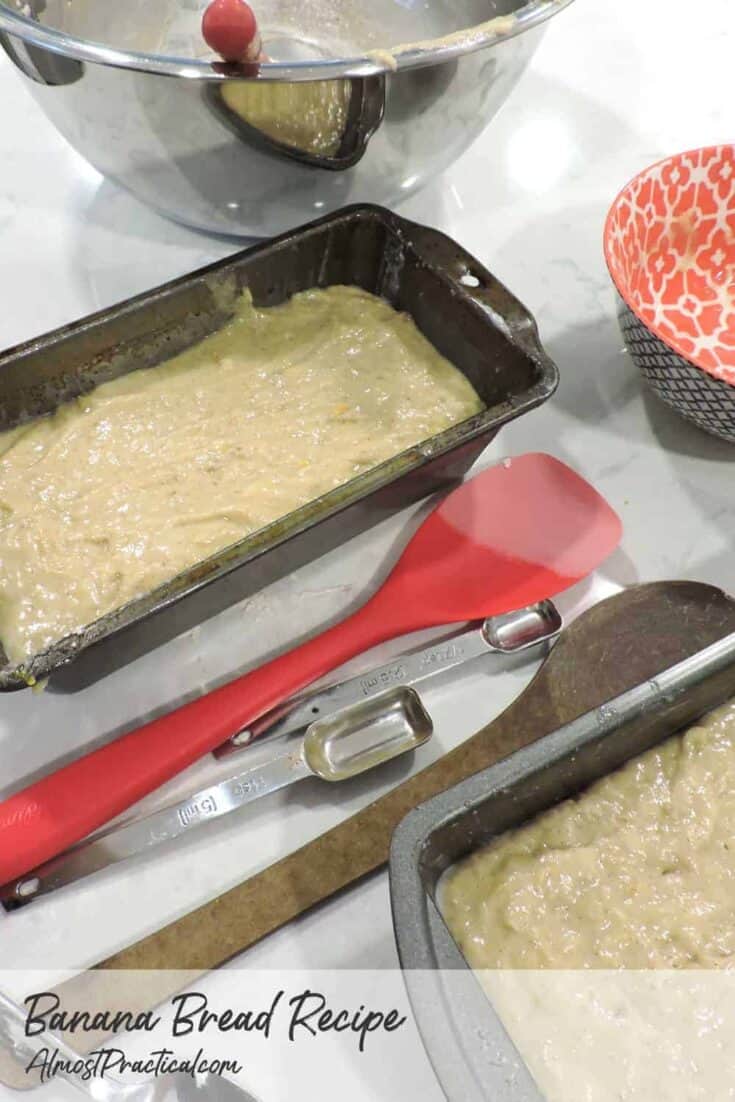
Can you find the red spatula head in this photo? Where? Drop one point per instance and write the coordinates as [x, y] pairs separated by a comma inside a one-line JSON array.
[[513, 535]]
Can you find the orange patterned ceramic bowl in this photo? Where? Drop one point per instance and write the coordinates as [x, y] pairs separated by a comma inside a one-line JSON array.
[[670, 248]]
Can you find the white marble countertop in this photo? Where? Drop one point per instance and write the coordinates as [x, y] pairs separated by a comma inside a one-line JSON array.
[[615, 85]]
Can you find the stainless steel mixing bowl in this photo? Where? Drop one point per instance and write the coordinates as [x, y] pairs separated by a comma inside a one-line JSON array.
[[332, 117]]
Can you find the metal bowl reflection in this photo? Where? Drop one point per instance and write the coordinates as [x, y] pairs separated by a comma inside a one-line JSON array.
[[256, 151]]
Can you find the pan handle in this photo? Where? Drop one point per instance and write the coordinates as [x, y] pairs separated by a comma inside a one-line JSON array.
[[475, 282]]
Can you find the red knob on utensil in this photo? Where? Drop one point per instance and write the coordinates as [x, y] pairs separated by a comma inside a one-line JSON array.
[[231, 30]]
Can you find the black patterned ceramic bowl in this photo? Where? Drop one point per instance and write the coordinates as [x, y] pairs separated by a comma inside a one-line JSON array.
[[708, 402]]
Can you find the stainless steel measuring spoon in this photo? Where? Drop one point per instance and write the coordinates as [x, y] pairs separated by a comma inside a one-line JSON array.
[[336, 748], [510, 634]]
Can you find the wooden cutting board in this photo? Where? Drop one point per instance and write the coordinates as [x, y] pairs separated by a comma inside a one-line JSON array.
[[611, 648]]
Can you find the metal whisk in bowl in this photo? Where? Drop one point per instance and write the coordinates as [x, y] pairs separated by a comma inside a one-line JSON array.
[[339, 113]]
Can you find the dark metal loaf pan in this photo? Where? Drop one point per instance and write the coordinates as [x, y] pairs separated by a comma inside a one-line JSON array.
[[465, 313], [472, 1054]]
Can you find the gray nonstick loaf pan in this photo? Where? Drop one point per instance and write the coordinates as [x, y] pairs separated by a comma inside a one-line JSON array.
[[472, 1054], [462, 309]]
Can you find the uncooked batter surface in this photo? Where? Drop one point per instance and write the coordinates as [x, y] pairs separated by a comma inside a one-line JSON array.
[[637, 873], [128, 486], [310, 117]]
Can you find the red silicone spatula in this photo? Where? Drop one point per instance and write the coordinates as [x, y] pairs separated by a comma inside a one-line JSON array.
[[514, 535]]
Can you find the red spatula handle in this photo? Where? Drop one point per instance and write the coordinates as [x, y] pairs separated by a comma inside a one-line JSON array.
[[46, 818]]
